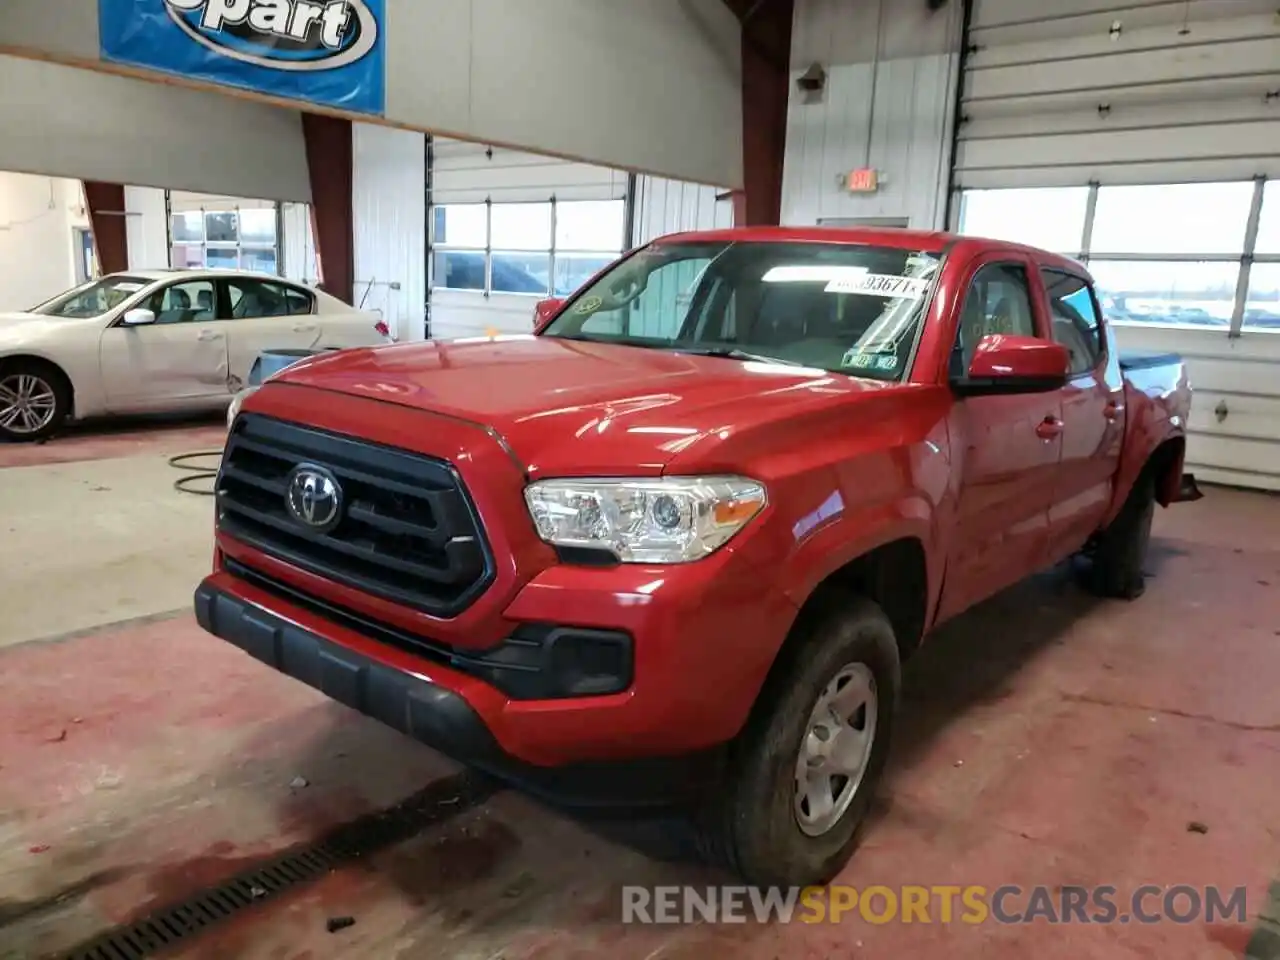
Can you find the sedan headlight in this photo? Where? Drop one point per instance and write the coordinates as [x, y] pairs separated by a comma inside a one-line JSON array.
[[659, 520], [237, 402]]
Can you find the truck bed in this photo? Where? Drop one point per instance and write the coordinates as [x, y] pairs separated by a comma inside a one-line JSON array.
[[1145, 359]]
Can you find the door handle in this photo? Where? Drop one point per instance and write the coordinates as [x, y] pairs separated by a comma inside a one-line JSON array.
[[304, 328], [1112, 410], [208, 335], [1050, 428]]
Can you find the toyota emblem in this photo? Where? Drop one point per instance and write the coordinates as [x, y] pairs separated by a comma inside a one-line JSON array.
[[313, 497]]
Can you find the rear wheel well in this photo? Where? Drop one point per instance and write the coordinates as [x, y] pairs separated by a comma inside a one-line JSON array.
[[30, 360], [1165, 468]]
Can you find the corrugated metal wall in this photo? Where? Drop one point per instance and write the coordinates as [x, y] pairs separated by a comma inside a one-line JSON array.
[[388, 214], [1081, 105], [892, 68], [674, 206]]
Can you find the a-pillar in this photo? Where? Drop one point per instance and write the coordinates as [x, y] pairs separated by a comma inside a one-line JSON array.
[[107, 221], [329, 162]]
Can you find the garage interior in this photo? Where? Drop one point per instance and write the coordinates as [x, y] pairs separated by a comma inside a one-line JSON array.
[[148, 770]]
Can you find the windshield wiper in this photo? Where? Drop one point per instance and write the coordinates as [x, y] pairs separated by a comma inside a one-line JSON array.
[[733, 353]]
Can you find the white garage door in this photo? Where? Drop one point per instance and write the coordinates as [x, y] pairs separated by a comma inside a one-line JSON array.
[[1144, 138]]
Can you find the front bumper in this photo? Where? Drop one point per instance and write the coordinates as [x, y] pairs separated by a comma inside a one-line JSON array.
[[465, 718]]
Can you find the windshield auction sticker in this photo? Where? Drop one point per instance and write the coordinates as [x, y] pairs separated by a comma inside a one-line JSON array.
[[880, 285]]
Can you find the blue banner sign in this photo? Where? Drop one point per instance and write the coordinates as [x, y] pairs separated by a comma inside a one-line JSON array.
[[328, 52]]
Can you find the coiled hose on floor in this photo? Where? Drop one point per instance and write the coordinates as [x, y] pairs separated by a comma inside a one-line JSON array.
[[197, 472]]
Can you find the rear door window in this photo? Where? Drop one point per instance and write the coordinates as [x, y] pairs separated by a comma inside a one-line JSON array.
[[1075, 318]]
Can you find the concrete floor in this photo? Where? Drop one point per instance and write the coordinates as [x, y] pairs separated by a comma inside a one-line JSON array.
[[1046, 738]]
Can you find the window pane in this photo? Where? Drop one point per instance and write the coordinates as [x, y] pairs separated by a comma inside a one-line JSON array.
[[575, 269], [520, 273], [1269, 224], [1262, 309], [460, 225], [521, 226], [1075, 320], [222, 259], [299, 302], [188, 227], [258, 226], [262, 261], [1051, 218], [590, 225], [187, 257], [458, 270], [1189, 294], [252, 299], [998, 302], [221, 227], [1171, 218], [184, 302]]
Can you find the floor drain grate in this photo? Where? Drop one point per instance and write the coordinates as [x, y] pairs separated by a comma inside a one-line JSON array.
[[169, 925]]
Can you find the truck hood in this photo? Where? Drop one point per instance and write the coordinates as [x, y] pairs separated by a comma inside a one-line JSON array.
[[572, 407]]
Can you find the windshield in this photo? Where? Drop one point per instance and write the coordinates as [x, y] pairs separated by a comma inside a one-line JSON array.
[[846, 308], [93, 299]]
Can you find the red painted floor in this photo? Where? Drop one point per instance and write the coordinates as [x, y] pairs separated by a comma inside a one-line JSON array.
[[124, 437], [1045, 738]]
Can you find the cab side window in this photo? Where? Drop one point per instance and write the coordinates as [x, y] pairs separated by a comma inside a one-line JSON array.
[[1075, 319], [999, 301]]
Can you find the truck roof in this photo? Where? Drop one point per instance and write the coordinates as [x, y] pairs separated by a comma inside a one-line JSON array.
[[925, 241]]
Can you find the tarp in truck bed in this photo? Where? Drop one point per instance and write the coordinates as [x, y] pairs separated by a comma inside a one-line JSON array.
[[1145, 359]]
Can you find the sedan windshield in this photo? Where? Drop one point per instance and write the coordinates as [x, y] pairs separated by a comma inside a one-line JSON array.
[[847, 308], [92, 299]]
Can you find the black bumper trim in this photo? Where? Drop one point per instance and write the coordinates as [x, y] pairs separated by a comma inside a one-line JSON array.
[[438, 717]]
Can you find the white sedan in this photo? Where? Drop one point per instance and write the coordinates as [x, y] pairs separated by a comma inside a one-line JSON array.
[[162, 340]]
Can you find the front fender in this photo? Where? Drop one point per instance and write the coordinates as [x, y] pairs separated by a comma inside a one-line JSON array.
[[848, 532]]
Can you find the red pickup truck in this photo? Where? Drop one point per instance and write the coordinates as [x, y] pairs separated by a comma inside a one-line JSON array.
[[686, 532]]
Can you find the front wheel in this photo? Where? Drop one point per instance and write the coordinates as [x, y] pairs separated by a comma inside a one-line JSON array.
[[34, 400], [803, 775]]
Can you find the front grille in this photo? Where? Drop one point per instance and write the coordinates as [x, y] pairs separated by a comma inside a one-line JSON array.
[[407, 530]]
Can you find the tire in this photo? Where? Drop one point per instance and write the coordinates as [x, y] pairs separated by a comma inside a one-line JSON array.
[[754, 826], [1121, 550], [35, 399]]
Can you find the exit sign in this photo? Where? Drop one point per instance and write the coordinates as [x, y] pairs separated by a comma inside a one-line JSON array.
[[862, 180]]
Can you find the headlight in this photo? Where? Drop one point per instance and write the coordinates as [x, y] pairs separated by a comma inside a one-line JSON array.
[[659, 520], [237, 402]]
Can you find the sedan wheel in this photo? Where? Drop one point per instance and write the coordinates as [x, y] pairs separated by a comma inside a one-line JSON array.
[[32, 405]]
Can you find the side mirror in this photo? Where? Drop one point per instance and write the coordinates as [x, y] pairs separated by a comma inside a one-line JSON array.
[[544, 311], [1012, 364], [138, 317]]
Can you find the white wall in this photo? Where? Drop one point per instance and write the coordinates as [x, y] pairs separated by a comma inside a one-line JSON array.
[[147, 232], [299, 243], [390, 225], [673, 206], [654, 86], [38, 249], [87, 125], [892, 70]]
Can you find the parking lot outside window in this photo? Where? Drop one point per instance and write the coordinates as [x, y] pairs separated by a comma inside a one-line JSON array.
[[1203, 255]]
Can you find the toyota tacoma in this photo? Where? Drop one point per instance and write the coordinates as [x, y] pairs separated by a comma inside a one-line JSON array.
[[686, 531]]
